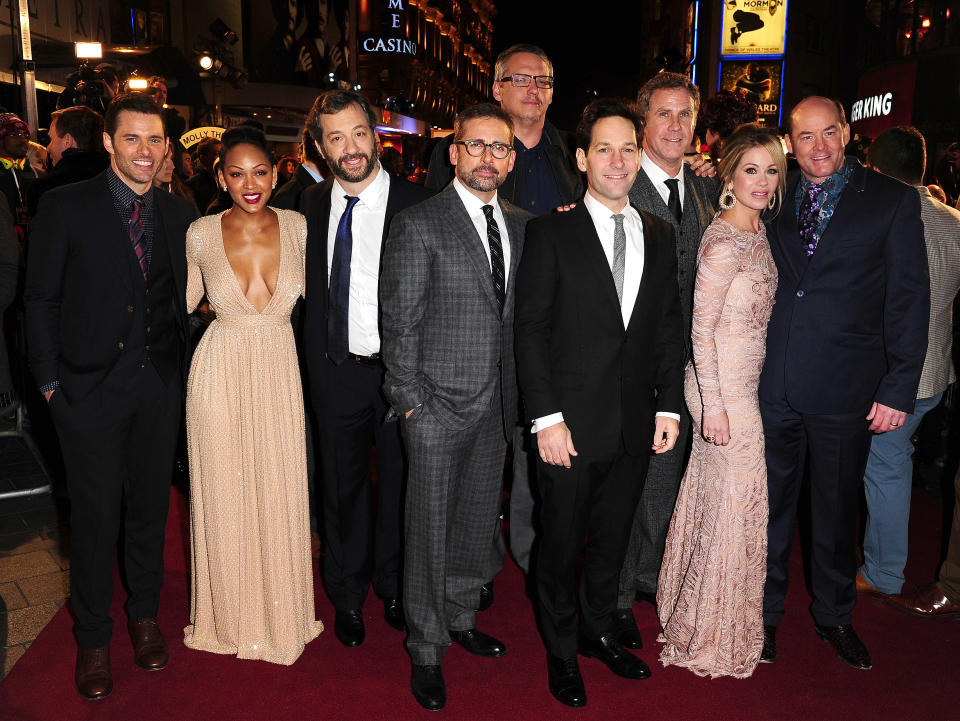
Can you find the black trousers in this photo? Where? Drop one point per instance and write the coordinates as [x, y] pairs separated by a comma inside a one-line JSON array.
[[118, 447], [595, 499], [836, 448], [350, 417]]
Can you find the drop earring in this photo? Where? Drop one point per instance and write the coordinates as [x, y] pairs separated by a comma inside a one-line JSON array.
[[727, 198]]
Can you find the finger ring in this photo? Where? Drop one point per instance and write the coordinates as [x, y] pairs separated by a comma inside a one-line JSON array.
[[894, 424], [709, 438]]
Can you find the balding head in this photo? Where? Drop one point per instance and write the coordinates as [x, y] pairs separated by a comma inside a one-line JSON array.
[[817, 133]]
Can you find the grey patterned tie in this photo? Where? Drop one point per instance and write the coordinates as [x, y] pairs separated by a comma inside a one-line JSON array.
[[619, 254]]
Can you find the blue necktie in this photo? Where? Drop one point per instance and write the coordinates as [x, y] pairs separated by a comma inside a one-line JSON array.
[[338, 342]]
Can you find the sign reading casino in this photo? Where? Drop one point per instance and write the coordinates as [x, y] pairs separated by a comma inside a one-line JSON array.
[[389, 34]]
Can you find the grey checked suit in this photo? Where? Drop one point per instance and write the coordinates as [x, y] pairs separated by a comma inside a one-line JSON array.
[[449, 355], [641, 567]]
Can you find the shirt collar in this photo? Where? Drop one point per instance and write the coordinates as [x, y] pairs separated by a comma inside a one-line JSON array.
[[837, 181], [600, 212], [655, 172], [313, 173], [374, 195], [124, 194], [541, 144], [471, 201]]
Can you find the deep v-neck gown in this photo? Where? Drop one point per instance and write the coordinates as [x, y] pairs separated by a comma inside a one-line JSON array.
[[252, 591]]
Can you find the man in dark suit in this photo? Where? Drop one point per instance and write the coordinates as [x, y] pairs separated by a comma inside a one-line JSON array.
[[599, 352], [107, 327], [447, 301], [308, 173], [670, 189], [845, 350], [348, 218]]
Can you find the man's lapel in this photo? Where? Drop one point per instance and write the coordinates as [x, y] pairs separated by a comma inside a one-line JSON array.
[[647, 278], [463, 229], [646, 197], [594, 257], [122, 253]]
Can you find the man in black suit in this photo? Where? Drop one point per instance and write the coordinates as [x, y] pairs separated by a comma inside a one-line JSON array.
[[599, 341], [348, 217], [107, 327], [308, 173], [845, 350]]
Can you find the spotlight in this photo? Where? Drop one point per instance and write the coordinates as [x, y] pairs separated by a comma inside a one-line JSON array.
[[137, 84], [206, 62], [86, 51]]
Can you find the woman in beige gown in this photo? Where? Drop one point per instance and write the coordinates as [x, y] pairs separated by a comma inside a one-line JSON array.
[[710, 592], [252, 591]]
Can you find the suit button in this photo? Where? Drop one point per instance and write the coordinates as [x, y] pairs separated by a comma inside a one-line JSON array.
[[146, 348], [120, 345], [129, 309], [148, 329], [799, 293]]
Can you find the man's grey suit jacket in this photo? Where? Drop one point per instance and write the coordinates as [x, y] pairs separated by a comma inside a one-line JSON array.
[[445, 343]]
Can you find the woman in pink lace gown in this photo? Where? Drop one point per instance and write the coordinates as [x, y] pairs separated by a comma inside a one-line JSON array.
[[710, 591]]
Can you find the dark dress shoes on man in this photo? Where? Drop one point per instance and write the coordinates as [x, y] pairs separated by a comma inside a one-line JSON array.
[[393, 614], [769, 652], [486, 596], [847, 644], [566, 683], [616, 657], [92, 675], [348, 627], [479, 643], [149, 649], [928, 602], [625, 629], [428, 687]]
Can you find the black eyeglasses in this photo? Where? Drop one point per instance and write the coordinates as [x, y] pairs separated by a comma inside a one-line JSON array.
[[522, 80], [476, 148]]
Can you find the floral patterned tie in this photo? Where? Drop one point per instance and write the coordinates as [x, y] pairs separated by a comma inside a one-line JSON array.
[[809, 218]]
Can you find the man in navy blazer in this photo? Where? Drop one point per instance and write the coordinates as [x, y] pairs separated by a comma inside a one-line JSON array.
[[845, 350]]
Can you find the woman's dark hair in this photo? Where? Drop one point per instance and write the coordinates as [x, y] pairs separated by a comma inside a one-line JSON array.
[[240, 135]]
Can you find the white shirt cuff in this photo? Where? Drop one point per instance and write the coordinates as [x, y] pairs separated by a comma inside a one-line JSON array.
[[553, 419], [675, 416]]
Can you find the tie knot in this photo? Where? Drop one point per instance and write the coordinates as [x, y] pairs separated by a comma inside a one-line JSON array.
[[137, 202], [617, 220], [351, 201], [488, 212], [814, 190], [672, 183]]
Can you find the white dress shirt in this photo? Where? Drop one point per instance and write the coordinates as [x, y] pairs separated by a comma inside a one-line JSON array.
[[602, 218], [315, 174], [474, 207], [363, 330], [657, 175]]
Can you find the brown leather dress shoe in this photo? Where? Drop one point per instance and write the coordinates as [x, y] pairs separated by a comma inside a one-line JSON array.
[[929, 602], [149, 649], [92, 675], [864, 587]]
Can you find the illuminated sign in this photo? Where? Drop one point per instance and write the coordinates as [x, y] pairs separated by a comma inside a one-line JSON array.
[[758, 80], [192, 137], [884, 99], [754, 28], [392, 36]]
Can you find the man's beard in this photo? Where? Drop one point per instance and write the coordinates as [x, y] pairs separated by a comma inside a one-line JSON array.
[[484, 185], [358, 175]]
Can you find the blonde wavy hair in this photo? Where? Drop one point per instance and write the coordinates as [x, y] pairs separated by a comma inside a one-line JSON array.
[[745, 138]]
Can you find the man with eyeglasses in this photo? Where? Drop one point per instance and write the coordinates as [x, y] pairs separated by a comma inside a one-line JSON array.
[[446, 302]]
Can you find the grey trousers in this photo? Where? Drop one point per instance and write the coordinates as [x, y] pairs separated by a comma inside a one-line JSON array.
[[522, 503], [641, 566], [454, 483]]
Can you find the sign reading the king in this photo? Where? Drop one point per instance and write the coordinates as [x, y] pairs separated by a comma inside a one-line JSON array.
[[754, 27]]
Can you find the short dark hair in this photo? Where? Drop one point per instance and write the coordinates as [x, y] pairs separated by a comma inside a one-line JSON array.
[[134, 103], [901, 153], [480, 110], [243, 135], [333, 101], [725, 111], [207, 146], [84, 125], [606, 108], [837, 105], [665, 80], [310, 151]]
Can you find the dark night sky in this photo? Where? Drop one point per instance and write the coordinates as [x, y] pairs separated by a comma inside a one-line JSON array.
[[590, 50]]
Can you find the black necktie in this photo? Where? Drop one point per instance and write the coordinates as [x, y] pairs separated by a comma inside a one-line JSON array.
[[338, 340], [673, 202], [496, 256]]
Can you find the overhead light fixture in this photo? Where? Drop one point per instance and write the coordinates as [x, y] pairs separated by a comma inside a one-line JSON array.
[[88, 51], [206, 61], [137, 84]]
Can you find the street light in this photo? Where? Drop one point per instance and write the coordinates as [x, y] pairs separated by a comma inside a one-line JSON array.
[[206, 61], [88, 51]]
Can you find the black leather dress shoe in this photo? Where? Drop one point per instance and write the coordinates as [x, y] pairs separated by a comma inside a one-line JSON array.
[[428, 687], [769, 652], [486, 596], [616, 657], [393, 613], [479, 643], [625, 629], [566, 683], [847, 644], [348, 627]]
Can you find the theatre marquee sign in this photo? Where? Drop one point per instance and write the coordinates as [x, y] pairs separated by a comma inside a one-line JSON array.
[[389, 30]]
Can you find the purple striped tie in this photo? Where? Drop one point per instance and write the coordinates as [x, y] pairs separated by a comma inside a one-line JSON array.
[[136, 235]]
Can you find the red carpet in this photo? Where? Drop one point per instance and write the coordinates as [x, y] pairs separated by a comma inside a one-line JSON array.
[[914, 674]]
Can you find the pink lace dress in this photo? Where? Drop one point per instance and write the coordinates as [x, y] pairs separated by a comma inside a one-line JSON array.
[[710, 591]]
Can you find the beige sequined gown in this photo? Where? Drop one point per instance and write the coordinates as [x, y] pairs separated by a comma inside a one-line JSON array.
[[710, 591], [252, 591]]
